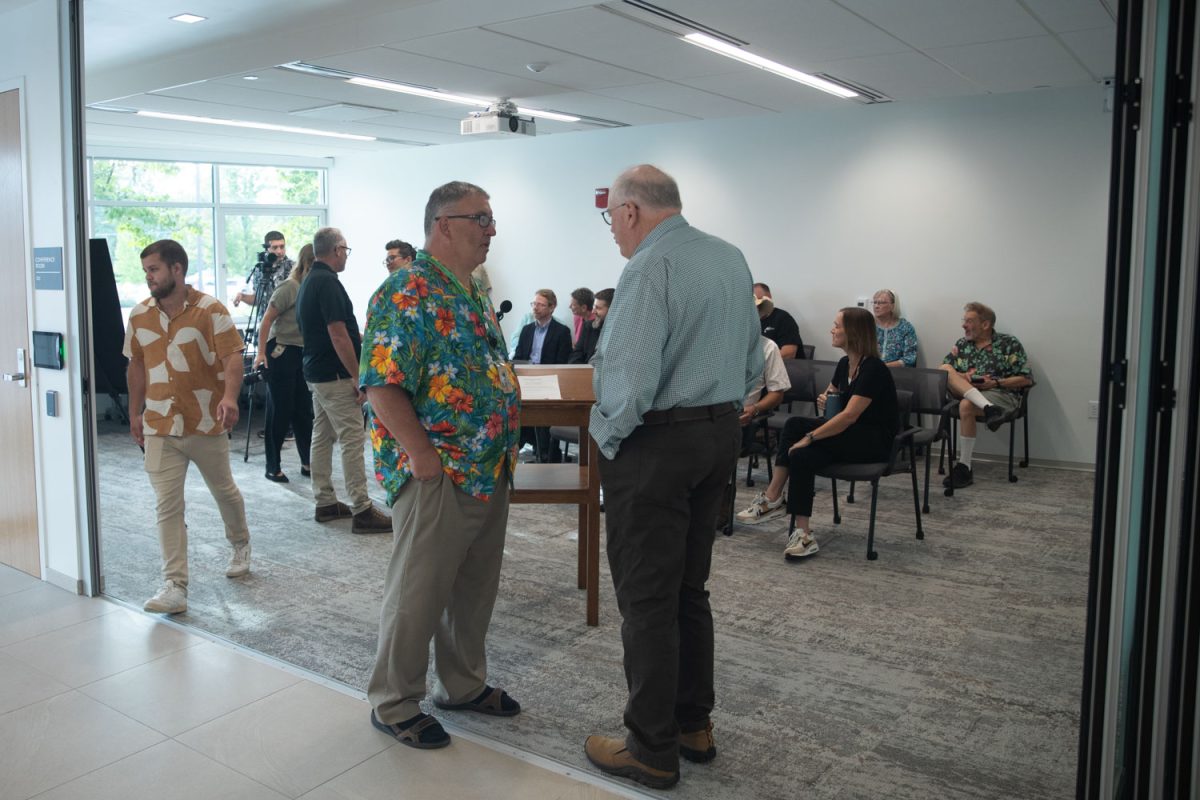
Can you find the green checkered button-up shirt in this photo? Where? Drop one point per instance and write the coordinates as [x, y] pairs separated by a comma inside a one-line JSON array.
[[682, 331]]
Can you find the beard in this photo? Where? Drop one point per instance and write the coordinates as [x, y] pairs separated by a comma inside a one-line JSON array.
[[164, 288]]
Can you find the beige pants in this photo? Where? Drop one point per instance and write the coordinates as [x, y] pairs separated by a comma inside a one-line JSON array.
[[337, 417], [167, 459], [441, 584]]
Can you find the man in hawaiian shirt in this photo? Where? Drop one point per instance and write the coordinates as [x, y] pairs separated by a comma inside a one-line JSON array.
[[986, 371], [445, 431]]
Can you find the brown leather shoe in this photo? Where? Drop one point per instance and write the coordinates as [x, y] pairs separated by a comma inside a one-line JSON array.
[[611, 756], [335, 511], [371, 520], [699, 746]]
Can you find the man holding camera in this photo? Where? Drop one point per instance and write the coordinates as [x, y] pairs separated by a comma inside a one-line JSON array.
[[272, 269], [986, 371]]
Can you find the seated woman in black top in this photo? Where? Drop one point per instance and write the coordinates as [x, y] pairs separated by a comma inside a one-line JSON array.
[[862, 431]]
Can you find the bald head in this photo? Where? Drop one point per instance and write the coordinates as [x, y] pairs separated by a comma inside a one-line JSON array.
[[639, 200]]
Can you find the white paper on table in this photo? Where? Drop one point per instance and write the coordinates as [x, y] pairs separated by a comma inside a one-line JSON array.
[[539, 387]]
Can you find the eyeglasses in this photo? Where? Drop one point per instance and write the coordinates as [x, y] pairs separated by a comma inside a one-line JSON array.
[[539, 305], [881, 302], [390, 259], [606, 214], [482, 220], [343, 247]]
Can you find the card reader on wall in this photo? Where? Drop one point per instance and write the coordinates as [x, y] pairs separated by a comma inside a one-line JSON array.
[[48, 350]]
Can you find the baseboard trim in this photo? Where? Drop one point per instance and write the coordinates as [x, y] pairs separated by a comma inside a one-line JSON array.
[[64, 581], [1002, 458]]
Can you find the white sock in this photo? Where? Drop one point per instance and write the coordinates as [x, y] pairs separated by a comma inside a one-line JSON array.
[[966, 449], [977, 398]]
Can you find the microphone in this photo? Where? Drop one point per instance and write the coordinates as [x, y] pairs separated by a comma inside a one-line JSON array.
[[505, 307]]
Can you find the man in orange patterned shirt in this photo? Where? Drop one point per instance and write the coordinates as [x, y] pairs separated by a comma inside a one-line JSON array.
[[185, 372]]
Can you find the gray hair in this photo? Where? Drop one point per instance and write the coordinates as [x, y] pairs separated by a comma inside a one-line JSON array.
[[447, 195], [647, 186], [326, 240]]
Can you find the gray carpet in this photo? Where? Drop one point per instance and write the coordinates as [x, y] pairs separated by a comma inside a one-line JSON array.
[[949, 668]]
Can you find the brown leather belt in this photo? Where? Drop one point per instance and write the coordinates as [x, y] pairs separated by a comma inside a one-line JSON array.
[[671, 416]]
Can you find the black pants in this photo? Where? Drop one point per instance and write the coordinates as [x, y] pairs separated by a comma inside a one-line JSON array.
[[661, 495], [548, 449], [855, 445], [289, 403]]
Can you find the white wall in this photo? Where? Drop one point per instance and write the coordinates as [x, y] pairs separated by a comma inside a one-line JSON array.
[[1001, 199], [30, 59]]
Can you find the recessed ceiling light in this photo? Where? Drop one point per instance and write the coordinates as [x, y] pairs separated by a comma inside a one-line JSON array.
[[774, 67], [188, 18], [262, 126], [249, 77]]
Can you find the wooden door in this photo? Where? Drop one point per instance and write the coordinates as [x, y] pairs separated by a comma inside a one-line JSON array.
[[18, 511]]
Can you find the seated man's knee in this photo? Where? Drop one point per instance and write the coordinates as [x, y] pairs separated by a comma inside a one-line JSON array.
[[966, 409]]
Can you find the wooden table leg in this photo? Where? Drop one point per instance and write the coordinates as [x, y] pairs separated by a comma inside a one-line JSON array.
[[593, 537]]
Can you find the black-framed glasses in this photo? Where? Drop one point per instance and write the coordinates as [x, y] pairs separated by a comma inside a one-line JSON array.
[[343, 247], [606, 214], [482, 220]]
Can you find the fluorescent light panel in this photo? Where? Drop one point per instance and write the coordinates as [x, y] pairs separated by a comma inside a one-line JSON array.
[[774, 67], [262, 126], [421, 91], [188, 18]]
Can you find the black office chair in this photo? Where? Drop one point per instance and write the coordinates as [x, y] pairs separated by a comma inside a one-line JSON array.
[[930, 399], [1021, 412], [872, 472]]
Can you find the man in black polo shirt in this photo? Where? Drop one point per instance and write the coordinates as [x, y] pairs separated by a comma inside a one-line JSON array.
[[332, 346], [778, 325]]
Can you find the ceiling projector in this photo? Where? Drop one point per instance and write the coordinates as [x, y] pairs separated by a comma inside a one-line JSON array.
[[499, 120]]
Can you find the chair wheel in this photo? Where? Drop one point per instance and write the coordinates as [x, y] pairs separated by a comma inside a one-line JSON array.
[[872, 556]]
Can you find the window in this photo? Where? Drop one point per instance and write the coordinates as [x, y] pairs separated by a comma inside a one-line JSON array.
[[210, 209]]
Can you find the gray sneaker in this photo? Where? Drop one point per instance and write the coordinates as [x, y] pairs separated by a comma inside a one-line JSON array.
[[800, 544], [239, 564], [761, 509], [171, 599]]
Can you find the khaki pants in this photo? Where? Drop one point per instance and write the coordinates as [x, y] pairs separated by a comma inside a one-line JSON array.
[[441, 584], [337, 417], [167, 459]]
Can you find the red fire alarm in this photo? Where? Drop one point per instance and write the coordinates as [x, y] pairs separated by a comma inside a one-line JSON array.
[[602, 198]]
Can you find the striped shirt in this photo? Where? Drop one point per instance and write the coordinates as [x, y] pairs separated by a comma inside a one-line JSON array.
[[184, 361], [682, 331]]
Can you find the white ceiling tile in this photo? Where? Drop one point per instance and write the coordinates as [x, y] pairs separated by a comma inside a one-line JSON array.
[[1097, 49], [1015, 66], [622, 42], [499, 53], [902, 76], [241, 96], [945, 23], [766, 90], [682, 99], [1062, 16], [610, 108]]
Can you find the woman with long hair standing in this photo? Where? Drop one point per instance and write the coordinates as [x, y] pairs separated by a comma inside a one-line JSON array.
[[863, 395], [281, 349]]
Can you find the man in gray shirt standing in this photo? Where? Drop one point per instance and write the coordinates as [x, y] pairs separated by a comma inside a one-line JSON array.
[[679, 351]]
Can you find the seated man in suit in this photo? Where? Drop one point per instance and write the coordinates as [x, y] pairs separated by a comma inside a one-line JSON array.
[[543, 341]]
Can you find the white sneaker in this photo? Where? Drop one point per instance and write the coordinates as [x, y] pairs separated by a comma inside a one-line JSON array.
[[171, 599], [761, 509], [800, 544], [239, 564]]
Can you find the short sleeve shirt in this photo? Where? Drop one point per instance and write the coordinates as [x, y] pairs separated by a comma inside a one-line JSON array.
[[780, 327], [323, 300], [285, 329], [184, 360], [1003, 358], [873, 381], [774, 377], [447, 352]]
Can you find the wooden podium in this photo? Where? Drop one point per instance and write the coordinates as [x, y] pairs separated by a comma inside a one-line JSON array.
[[575, 484]]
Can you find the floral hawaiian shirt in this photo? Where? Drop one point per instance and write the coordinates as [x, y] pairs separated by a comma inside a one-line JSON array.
[[447, 352], [1003, 359]]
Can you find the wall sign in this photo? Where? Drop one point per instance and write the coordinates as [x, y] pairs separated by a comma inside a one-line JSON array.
[[48, 268]]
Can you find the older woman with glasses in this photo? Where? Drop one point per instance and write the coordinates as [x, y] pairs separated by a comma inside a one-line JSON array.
[[897, 338]]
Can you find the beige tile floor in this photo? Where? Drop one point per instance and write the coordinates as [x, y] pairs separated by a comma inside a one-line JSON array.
[[102, 702]]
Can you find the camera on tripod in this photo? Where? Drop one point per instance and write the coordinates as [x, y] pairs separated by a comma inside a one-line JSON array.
[[265, 257]]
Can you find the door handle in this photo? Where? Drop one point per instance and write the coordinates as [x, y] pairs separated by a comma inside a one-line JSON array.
[[19, 375]]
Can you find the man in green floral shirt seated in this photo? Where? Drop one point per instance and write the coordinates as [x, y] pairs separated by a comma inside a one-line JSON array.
[[445, 430], [986, 370]]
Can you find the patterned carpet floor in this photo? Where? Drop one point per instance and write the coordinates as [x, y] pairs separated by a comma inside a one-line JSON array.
[[949, 668]]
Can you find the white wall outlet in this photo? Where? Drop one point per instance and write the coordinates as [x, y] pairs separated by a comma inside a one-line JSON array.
[[1093, 409], [864, 302]]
